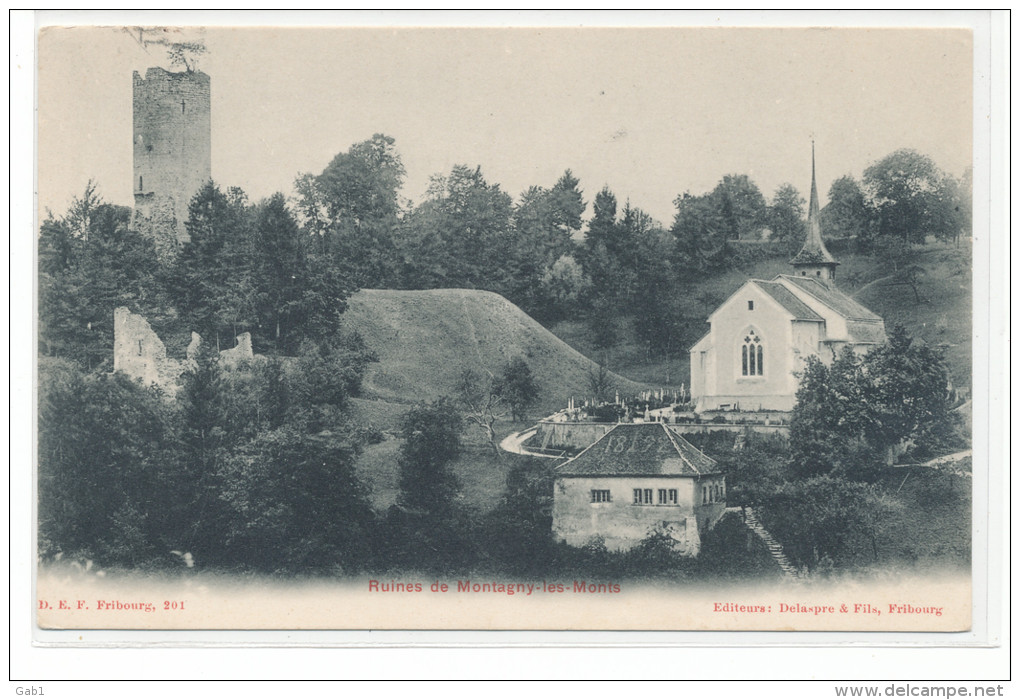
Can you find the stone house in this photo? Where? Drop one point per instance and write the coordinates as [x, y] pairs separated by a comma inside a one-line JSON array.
[[762, 335], [636, 479]]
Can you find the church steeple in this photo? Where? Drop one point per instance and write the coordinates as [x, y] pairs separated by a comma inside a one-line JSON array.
[[814, 260]]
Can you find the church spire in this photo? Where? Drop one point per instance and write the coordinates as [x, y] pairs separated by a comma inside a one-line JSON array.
[[814, 259]]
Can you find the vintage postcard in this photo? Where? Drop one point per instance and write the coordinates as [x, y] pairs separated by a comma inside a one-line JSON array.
[[459, 328]]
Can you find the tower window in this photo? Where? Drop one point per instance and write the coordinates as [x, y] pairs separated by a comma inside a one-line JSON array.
[[182, 106], [752, 356], [803, 274], [818, 273], [750, 305]]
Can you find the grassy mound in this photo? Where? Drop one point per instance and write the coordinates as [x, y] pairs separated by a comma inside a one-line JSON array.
[[426, 339]]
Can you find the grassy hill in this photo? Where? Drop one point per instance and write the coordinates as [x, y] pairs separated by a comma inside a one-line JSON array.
[[942, 316], [426, 339]]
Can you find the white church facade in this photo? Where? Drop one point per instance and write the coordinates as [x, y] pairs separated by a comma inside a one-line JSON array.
[[762, 335]]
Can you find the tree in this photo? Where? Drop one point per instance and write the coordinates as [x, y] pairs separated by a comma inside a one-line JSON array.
[[910, 388], [479, 395], [183, 54], [280, 271], [104, 449], [910, 195], [848, 416], [848, 213], [543, 224], [215, 286], [606, 257], [517, 387], [700, 233], [205, 442], [563, 285], [824, 518], [352, 209], [294, 503], [786, 215], [741, 206], [460, 235], [431, 434], [89, 264], [328, 374], [600, 382]]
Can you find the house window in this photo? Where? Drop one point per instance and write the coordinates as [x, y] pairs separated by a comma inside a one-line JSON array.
[[662, 497], [672, 497], [139, 183], [704, 494], [818, 273], [752, 357], [182, 106], [750, 305], [600, 496], [667, 497], [642, 497]]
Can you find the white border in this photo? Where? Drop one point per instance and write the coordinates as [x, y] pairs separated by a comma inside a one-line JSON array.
[[848, 661]]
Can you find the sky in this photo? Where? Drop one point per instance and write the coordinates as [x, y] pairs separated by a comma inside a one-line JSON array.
[[651, 112]]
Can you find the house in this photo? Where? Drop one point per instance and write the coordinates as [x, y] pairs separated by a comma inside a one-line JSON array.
[[762, 335], [636, 479]]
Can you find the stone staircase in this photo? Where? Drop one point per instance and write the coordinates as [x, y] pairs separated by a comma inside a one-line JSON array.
[[775, 549]]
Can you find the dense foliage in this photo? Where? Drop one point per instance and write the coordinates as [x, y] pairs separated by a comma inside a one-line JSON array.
[[255, 468]]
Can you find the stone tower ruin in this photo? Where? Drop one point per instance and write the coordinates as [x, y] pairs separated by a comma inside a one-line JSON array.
[[172, 150]]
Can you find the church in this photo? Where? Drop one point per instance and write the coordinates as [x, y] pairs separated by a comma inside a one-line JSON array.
[[762, 335]]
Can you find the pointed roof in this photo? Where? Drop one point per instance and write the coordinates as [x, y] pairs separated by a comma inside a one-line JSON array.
[[814, 250], [639, 449], [788, 300], [833, 298]]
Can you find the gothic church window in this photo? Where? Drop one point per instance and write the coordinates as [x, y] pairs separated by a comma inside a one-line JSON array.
[[752, 356]]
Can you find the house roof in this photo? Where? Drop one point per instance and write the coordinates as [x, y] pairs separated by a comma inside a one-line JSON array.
[[788, 300], [639, 449], [833, 298]]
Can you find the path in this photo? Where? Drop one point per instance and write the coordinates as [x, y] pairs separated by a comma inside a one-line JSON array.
[[515, 443], [775, 549]]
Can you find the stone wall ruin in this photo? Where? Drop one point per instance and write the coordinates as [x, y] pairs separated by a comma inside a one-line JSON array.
[[139, 353]]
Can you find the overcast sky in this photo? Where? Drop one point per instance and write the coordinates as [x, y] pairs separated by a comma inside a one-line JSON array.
[[650, 112]]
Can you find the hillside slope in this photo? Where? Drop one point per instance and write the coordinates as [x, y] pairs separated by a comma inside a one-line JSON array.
[[940, 315], [426, 339]]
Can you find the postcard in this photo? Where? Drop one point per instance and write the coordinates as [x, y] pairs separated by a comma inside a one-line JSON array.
[[544, 328]]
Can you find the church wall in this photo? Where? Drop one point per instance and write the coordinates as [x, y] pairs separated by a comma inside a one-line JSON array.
[[807, 336], [621, 522], [726, 384]]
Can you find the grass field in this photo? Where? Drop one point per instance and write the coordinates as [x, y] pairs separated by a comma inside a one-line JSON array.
[[929, 525], [481, 474]]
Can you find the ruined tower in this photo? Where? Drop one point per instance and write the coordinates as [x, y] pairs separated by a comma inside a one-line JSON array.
[[172, 150]]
